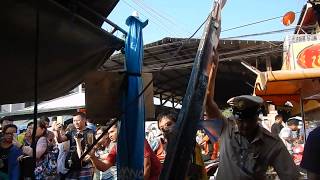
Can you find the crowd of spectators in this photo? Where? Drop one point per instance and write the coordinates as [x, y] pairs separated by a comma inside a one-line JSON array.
[[253, 149]]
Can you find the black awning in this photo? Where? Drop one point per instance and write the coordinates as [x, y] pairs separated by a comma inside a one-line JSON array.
[[70, 45]]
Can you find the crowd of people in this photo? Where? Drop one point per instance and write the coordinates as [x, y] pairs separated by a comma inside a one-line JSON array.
[[294, 137], [244, 149], [59, 148]]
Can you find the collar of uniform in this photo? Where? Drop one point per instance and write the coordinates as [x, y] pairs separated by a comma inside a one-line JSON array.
[[259, 135]]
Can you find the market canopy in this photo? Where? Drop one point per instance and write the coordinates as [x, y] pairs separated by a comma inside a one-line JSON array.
[[71, 43], [281, 86]]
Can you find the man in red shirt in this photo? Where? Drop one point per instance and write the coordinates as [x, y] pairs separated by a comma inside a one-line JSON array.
[[152, 166]]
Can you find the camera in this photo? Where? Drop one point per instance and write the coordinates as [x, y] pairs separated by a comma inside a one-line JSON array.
[[79, 135]]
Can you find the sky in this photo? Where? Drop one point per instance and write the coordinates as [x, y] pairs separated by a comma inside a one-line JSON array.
[[181, 18]]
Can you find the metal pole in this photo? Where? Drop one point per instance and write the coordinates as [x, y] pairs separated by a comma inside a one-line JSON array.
[[35, 107], [172, 101], [303, 117]]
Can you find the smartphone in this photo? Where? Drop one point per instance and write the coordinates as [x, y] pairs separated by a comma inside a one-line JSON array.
[[59, 120]]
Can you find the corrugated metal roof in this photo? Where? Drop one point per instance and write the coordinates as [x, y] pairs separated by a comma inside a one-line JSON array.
[[177, 55]]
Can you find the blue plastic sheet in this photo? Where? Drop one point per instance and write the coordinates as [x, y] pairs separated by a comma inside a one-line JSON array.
[[132, 133]]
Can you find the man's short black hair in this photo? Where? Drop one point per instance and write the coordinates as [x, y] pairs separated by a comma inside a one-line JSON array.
[[30, 123], [83, 115], [169, 114], [278, 116]]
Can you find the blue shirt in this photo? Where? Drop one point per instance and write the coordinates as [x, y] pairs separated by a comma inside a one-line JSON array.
[[12, 162], [91, 126]]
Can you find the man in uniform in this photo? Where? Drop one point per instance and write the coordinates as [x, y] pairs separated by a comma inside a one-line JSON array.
[[247, 149]]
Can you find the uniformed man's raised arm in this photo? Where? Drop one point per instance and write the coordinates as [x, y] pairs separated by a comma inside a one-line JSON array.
[[212, 109]]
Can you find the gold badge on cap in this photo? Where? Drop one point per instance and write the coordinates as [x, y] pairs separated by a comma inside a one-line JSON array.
[[241, 105]]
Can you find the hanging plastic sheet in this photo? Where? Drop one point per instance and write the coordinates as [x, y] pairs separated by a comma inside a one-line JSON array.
[[131, 137]]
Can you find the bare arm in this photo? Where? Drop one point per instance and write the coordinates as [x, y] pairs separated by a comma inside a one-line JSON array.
[[60, 138], [41, 148], [147, 168], [212, 109], [100, 165]]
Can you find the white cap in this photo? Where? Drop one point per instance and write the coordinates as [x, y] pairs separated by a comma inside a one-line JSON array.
[[288, 103]]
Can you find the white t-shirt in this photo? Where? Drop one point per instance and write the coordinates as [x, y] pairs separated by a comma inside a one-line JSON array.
[[286, 132], [61, 158]]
